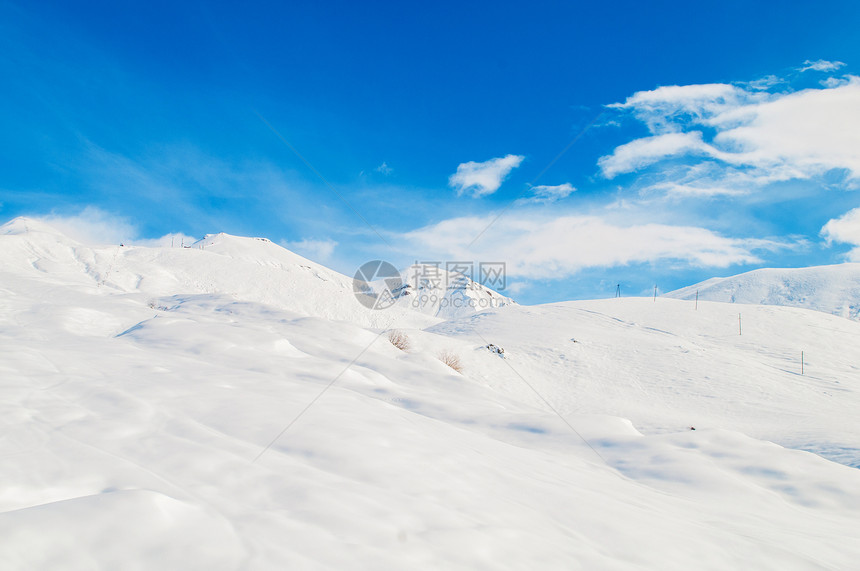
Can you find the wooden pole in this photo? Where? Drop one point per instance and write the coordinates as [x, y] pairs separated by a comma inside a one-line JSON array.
[[740, 331], [655, 293]]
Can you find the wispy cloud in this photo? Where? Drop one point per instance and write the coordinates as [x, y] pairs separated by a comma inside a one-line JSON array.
[[698, 188], [764, 83], [542, 246], [317, 250], [831, 82], [667, 109], [821, 65], [482, 179], [183, 187], [384, 169], [643, 152], [93, 226], [546, 193]]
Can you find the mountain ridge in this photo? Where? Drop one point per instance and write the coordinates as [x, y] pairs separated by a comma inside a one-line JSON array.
[[833, 289], [248, 268]]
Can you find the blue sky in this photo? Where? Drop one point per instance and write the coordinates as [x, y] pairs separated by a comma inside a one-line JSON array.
[[584, 145]]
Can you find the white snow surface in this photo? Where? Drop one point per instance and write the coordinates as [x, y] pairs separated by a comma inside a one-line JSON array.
[[832, 289], [227, 408]]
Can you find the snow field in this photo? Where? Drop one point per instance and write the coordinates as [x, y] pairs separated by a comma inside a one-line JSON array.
[[132, 415]]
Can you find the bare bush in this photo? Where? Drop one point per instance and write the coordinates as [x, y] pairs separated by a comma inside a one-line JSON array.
[[399, 339], [451, 360]]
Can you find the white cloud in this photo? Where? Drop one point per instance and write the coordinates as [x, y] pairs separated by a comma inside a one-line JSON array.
[[662, 108], [808, 132], [643, 152], [384, 169], [545, 193], [539, 247], [764, 83], [845, 229], [710, 178], [700, 189], [682, 96], [317, 250], [831, 82], [484, 178], [756, 136], [821, 65], [93, 226]]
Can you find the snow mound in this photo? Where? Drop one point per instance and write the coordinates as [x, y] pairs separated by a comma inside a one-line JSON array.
[[832, 289], [116, 529]]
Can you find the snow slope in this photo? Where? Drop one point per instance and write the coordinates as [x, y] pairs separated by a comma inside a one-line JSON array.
[[144, 427], [665, 365], [250, 269], [831, 289]]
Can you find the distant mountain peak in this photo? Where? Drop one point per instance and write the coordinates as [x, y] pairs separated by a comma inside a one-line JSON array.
[[831, 289]]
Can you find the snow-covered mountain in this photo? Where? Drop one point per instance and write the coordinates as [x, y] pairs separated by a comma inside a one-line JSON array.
[[223, 407], [251, 269], [248, 269], [831, 289]]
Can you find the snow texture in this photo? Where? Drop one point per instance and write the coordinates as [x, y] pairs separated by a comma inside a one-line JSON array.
[[155, 415]]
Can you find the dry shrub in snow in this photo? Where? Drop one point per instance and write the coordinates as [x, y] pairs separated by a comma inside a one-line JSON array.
[[399, 339], [451, 360]]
